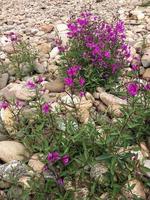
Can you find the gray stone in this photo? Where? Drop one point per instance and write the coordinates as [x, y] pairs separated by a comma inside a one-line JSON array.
[[14, 169], [98, 172], [146, 58], [3, 80]]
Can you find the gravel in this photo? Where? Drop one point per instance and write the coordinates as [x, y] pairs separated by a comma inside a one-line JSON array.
[[21, 14]]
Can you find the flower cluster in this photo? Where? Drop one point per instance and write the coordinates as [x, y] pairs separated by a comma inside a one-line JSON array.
[[74, 79], [101, 46], [4, 105], [32, 84], [55, 158], [104, 43], [133, 88]]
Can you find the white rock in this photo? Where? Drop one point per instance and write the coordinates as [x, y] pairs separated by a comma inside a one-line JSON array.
[[110, 99], [61, 27], [54, 52], [11, 150], [36, 164], [70, 100], [137, 189], [146, 163]]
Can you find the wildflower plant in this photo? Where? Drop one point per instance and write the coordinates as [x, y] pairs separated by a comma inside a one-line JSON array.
[[22, 58], [99, 48]]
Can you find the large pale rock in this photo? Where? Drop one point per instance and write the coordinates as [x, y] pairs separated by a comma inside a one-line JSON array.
[[89, 96], [54, 52], [55, 86], [70, 100], [62, 31], [3, 80], [11, 150], [100, 106], [109, 99], [136, 187], [47, 28], [44, 48], [8, 120], [84, 110], [14, 169], [146, 58], [116, 110], [36, 164], [146, 74], [16, 90]]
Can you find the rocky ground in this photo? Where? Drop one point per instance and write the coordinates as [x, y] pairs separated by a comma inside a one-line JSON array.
[[39, 22]]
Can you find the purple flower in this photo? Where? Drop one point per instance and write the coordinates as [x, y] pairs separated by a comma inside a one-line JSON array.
[[31, 85], [82, 22], [132, 89], [12, 36], [53, 157], [39, 79], [68, 81], [4, 104], [72, 71], [20, 104], [82, 94], [147, 87], [45, 168], [65, 159], [46, 108], [81, 81], [135, 67], [60, 181], [107, 54]]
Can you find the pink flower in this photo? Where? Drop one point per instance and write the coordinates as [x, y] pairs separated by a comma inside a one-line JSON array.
[[31, 85], [68, 81], [4, 104], [147, 87], [107, 54], [82, 94], [135, 67], [72, 71], [60, 181], [20, 104], [65, 159], [81, 81], [39, 79], [132, 89], [53, 157], [45, 168], [12, 36], [46, 108]]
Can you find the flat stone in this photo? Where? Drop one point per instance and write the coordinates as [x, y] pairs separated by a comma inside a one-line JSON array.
[[146, 58], [11, 150], [36, 164], [146, 163], [55, 86], [47, 28], [44, 48], [15, 169], [54, 52], [3, 80], [146, 74], [109, 99]]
